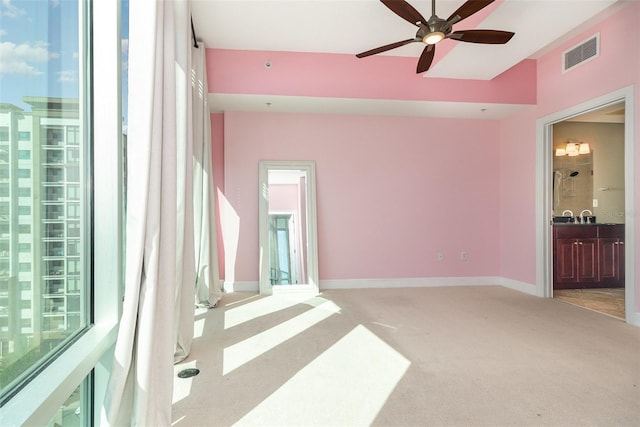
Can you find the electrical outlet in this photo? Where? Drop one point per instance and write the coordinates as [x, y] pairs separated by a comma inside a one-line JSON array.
[[464, 255], [440, 256], [595, 203]]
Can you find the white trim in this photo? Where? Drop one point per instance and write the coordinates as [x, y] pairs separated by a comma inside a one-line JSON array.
[[413, 282], [309, 168], [635, 320], [37, 401], [544, 265], [252, 286], [516, 285]]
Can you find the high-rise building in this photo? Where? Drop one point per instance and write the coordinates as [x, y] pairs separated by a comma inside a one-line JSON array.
[[41, 205]]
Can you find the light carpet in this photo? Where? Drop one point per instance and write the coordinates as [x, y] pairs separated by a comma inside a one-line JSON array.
[[450, 356]]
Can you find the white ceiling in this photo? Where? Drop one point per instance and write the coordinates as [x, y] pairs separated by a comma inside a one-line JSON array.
[[353, 26]]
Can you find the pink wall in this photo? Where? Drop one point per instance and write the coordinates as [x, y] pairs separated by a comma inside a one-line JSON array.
[[389, 197], [283, 198], [345, 76], [617, 66], [391, 192], [217, 153]]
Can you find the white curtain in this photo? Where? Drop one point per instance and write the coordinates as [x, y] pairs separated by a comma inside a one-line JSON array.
[[208, 287], [157, 318]]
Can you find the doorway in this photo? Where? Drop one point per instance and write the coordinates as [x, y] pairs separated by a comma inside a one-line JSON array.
[[546, 197], [588, 210]]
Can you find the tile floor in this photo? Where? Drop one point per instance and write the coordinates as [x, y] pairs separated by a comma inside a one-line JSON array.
[[609, 301]]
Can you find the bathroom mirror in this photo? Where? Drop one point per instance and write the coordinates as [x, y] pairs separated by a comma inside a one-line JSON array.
[[572, 184], [287, 224]]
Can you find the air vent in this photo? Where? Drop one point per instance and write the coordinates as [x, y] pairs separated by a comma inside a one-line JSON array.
[[585, 51]]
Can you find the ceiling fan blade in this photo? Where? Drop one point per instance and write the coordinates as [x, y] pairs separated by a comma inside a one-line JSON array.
[[405, 11], [482, 36], [386, 48], [468, 9], [426, 58]]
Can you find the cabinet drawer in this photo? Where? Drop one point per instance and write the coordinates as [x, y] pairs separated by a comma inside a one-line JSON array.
[[575, 231], [611, 230]]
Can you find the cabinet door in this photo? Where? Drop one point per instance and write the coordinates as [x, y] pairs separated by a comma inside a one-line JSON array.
[[565, 262], [611, 254], [587, 265]]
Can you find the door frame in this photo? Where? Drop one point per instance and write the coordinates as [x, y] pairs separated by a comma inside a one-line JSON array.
[[544, 167]]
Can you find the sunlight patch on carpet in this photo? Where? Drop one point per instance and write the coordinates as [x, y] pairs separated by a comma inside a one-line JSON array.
[[347, 385], [247, 350], [261, 307]]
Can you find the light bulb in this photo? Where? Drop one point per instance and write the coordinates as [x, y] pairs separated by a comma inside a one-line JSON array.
[[433, 38]]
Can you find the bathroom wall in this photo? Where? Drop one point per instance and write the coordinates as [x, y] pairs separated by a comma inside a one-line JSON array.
[[607, 183]]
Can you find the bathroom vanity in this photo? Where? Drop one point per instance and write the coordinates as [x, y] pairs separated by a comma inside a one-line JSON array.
[[588, 256]]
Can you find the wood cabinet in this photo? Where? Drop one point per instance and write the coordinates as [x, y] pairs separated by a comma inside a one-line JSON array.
[[611, 255], [588, 256]]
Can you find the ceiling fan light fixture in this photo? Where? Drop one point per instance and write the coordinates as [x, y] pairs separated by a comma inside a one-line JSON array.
[[433, 38]]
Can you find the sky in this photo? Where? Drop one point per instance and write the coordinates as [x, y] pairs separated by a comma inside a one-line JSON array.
[[39, 49]]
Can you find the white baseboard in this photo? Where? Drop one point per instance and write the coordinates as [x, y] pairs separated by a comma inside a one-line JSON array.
[[635, 319], [516, 285], [419, 282], [240, 286], [413, 282]]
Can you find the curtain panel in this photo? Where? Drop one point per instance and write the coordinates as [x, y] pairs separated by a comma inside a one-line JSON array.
[[171, 241]]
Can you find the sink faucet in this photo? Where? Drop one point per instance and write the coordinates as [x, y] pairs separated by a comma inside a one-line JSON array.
[[582, 215], [567, 210]]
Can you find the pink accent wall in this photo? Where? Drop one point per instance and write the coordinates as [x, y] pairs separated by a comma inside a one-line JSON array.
[[391, 192], [618, 66], [345, 76], [283, 198], [217, 153]]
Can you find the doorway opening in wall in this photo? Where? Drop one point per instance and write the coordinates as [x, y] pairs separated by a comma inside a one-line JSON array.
[[585, 165], [283, 248], [588, 210]]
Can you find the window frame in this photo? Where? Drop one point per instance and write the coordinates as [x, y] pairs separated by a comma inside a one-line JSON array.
[[37, 401]]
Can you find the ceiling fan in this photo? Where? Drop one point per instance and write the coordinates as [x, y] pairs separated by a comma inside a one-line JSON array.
[[435, 29]]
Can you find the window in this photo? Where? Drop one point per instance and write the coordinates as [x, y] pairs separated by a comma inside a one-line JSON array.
[[56, 99], [73, 155], [73, 211], [4, 133], [49, 95], [72, 135], [73, 229], [73, 174], [73, 192]]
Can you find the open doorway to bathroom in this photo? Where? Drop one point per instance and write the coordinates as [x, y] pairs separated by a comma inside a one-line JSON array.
[[588, 209]]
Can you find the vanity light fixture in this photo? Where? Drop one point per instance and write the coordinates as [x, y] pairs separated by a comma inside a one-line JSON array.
[[573, 149]]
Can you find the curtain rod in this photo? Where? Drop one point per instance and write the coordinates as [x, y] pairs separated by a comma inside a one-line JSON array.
[[193, 34]]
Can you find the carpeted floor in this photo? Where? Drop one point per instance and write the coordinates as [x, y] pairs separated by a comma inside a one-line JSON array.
[[603, 300], [451, 356]]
